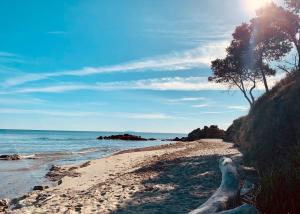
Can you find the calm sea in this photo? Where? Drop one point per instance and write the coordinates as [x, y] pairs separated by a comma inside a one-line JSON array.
[[56, 147]]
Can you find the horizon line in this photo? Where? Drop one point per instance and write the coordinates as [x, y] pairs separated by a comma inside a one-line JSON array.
[[13, 129]]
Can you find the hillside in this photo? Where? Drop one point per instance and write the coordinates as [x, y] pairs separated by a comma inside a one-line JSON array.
[[269, 136]]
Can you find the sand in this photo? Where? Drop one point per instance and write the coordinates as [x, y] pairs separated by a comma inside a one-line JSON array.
[[174, 178]]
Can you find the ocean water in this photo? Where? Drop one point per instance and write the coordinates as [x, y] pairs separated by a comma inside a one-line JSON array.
[[56, 147]]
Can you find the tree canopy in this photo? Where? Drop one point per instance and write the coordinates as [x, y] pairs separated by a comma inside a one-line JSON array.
[[284, 22], [293, 5], [255, 46]]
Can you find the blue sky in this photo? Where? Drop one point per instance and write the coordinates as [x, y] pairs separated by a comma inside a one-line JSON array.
[[116, 65]]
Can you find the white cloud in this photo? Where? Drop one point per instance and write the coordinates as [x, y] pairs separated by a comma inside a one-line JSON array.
[[239, 108], [14, 101], [161, 84], [193, 98], [47, 112], [194, 58], [213, 112], [186, 99], [9, 58], [143, 116], [200, 106], [156, 116]]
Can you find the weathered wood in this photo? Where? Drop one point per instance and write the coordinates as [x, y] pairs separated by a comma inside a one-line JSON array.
[[244, 209], [228, 192]]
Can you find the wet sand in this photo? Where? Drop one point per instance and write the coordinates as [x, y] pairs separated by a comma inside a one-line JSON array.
[[174, 178]]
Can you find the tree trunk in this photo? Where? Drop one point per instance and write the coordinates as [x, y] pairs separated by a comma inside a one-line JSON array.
[[265, 80], [247, 98], [250, 92], [297, 45], [298, 50], [242, 88], [228, 192]]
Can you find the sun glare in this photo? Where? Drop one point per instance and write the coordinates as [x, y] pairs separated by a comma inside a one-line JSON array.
[[253, 5]]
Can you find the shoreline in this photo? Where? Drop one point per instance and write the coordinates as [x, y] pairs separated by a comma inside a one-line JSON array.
[[27, 156], [135, 180]]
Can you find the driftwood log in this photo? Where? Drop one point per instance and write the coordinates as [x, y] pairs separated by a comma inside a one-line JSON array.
[[227, 194], [244, 209]]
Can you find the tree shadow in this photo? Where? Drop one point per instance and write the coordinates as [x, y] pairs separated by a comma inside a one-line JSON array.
[[179, 185]]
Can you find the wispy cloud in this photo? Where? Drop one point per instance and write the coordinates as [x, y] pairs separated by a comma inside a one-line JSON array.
[[157, 116], [194, 58], [200, 105], [48, 112], [144, 116], [186, 100], [213, 112], [9, 58], [14, 101], [160, 84], [193, 98], [239, 108]]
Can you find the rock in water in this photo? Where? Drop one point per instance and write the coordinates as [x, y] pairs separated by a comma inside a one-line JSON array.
[[40, 188], [10, 157], [54, 168], [126, 137], [3, 205]]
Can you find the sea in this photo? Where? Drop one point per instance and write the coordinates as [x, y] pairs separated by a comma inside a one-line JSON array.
[[42, 149]]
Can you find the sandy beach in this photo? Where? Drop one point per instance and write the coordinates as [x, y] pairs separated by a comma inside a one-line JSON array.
[[173, 178]]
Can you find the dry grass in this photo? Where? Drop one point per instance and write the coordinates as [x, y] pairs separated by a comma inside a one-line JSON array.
[[270, 139]]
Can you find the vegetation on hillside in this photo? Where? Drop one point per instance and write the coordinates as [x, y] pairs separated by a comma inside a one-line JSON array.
[[269, 137]]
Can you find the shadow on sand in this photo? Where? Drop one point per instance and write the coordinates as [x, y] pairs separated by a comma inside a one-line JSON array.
[[180, 185]]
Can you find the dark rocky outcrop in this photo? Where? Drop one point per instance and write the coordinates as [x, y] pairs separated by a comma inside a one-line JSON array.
[[206, 133], [55, 168], [212, 132], [126, 137], [176, 139], [56, 173], [10, 157], [40, 188], [232, 132], [3, 205]]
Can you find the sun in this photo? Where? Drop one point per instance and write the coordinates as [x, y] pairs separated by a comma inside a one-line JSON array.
[[253, 5]]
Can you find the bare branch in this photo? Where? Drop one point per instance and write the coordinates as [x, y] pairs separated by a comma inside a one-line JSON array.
[[282, 67]]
